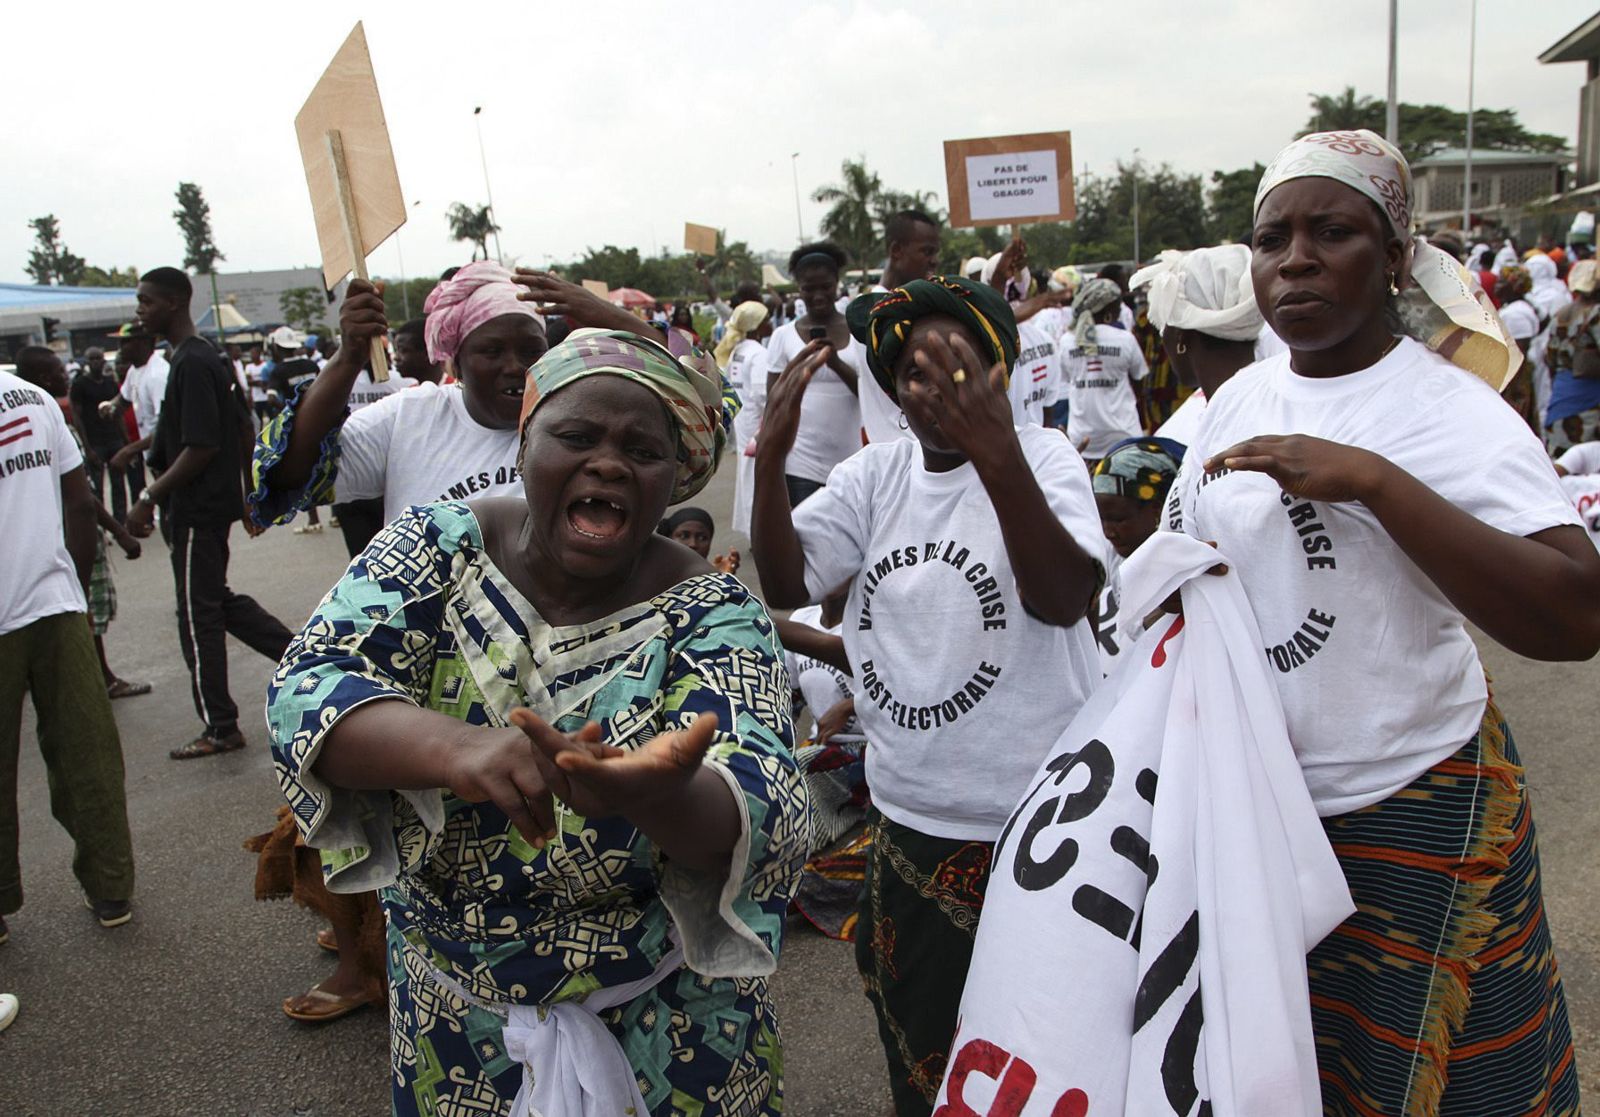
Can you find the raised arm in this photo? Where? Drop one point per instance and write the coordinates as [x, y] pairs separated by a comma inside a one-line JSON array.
[[322, 405]]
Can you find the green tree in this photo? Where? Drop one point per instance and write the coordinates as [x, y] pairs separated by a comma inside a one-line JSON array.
[[733, 263], [957, 246], [397, 296], [1426, 129], [473, 224], [200, 252], [304, 307], [616, 267], [116, 277], [852, 220], [49, 261], [1172, 214], [1230, 203], [1049, 246]]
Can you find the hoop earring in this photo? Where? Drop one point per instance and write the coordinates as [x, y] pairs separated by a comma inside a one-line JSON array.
[[1182, 348]]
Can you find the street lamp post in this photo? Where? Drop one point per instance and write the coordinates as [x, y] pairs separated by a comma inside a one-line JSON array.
[[477, 118], [799, 226], [1391, 117]]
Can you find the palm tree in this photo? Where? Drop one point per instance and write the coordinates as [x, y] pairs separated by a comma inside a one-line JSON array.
[[852, 217], [1346, 112], [733, 260], [475, 224]]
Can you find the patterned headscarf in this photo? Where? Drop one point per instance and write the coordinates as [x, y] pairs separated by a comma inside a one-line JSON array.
[[1439, 303], [1141, 469], [1093, 297], [1207, 290], [696, 394], [1583, 278], [882, 322], [1514, 282], [747, 316], [465, 301]]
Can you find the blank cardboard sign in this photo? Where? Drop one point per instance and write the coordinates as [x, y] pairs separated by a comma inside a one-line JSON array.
[[701, 239], [346, 101], [598, 286]]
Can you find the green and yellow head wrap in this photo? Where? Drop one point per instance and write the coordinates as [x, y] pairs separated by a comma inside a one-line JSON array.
[[882, 322], [696, 394], [1141, 469]]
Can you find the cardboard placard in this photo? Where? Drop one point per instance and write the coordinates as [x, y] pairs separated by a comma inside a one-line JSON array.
[[598, 286], [700, 239], [345, 101], [1003, 180]]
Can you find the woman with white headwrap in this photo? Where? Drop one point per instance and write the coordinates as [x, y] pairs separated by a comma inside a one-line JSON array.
[[1099, 363], [1204, 305], [1374, 494], [743, 355]]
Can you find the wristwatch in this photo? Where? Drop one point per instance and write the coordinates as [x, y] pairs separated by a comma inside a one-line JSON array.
[[146, 498]]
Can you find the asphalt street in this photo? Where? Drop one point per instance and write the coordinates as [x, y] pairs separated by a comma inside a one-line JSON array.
[[178, 1012]]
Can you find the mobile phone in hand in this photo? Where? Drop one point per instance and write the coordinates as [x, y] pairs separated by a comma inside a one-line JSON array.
[[819, 333]]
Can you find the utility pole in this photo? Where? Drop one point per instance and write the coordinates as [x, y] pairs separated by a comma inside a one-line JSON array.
[[1391, 120], [1472, 76], [799, 226], [477, 118]]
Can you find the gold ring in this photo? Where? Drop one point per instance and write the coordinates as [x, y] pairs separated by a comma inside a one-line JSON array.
[[959, 376]]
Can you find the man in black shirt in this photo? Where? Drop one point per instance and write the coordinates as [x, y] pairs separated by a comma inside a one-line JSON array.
[[103, 436], [200, 447]]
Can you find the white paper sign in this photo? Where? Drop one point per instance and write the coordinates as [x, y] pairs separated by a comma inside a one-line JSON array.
[[1013, 184]]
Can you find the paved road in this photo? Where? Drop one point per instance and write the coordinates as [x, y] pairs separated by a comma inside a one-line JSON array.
[[177, 1013]]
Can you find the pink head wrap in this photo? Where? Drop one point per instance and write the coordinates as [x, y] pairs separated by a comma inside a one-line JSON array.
[[465, 301]]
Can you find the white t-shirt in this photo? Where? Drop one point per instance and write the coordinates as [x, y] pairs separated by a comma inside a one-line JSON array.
[[1053, 320], [144, 388], [1035, 378], [257, 375], [1379, 678], [1582, 458], [1583, 489], [1183, 424], [822, 686], [37, 575], [366, 391], [960, 691], [1520, 319], [881, 417], [443, 453], [1100, 403], [830, 417], [747, 372]]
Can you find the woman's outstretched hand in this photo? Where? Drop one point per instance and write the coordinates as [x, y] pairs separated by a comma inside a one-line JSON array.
[[1306, 467], [595, 779]]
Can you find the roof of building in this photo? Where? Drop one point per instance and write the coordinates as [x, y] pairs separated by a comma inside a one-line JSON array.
[[22, 305], [1578, 45], [1485, 156]]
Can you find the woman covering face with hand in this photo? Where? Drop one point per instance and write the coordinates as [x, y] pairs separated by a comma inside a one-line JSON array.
[[975, 551], [1375, 495], [559, 743]]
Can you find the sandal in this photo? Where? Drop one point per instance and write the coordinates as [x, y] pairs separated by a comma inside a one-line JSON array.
[[308, 529], [326, 940], [207, 745], [331, 1006], [122, 688]]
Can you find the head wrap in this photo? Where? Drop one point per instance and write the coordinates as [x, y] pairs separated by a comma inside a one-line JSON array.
[[882, 322], [746, 316], [1439, 303], [1584, 277], [696, 394], [1093, 297], [1141, 469], [1541, 269], [1017, 287], [974, 266], [1207, 290], [465, 301], [688, 515], [1514, 282], [1065, 278]]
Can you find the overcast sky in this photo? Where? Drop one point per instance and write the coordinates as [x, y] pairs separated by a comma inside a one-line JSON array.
[[618, 122]]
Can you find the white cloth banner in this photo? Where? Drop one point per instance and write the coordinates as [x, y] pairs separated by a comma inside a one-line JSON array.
[[1151, 902]]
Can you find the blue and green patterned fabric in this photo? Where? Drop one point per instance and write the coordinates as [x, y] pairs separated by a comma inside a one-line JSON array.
[[423, 616]]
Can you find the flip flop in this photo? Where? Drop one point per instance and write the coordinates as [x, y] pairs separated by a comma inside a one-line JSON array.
[[122, 688], [326, 940], [8, 1010], [337, 1006]]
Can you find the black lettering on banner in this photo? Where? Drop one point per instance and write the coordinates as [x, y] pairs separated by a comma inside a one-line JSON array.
[[1038, 875], [1167, 973]]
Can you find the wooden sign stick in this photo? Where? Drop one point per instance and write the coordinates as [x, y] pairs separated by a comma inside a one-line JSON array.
[[352, 233]]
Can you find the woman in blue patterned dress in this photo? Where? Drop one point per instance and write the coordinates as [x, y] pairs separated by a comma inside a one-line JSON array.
[[559, 743]]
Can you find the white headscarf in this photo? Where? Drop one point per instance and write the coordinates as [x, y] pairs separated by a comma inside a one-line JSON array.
[[1207, 290], [973, 267], [1548, 294], [1439, 303]]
